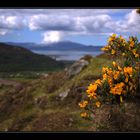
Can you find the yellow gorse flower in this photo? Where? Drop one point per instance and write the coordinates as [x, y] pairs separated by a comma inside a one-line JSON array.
[[119, 68], [110, 72], [113, 51], [126, 80], [91, 91], [116, 74], [132, 44], [104, 70], [114, 64], [84, 115], [123, 54], [106, 48], [128, 70], [122, 40], [105, 76], [98, 104], [134, 51], [98, 82], [113, 37], [103, 49], [117, 89], [110, 81], [92, 87], [92, 95], [130, 39], [83, 104]]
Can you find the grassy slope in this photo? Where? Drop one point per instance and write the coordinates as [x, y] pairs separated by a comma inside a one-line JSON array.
[[18, 59], [31, 114], [50, 114]]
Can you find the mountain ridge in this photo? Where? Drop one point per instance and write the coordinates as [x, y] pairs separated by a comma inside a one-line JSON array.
[[62, 45]]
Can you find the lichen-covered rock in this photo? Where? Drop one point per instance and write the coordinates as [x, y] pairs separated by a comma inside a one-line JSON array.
[[76, 68], [63, 95]]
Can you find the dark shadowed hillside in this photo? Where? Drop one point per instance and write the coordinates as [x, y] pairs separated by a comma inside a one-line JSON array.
[[13, 58]]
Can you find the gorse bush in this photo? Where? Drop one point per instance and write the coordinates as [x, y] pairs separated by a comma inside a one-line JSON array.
[[130, 49], [120, 80]]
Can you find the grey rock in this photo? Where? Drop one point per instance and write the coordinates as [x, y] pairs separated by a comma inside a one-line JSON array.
[[63, 95], [44, 75], [77, 67]]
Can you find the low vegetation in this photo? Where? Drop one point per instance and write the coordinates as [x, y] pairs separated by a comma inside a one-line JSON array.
[[119, 82], [50, 102]]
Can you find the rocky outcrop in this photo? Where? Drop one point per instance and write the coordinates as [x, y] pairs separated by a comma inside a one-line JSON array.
[[73, 70], [63, 95], [72, 94], [76, 68]]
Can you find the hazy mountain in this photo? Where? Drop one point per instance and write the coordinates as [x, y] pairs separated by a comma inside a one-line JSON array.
[[63, 45]]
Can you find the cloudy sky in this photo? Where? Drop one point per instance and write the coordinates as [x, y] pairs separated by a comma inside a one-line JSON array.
[[86, 26]]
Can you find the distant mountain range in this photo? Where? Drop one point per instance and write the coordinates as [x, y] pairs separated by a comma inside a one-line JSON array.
[[15, 58], [60, 46]]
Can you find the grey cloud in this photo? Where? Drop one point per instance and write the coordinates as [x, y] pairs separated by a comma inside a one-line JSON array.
[[129, 24], [71, 12], [11, 22], [44, 22], [3, 31], [70, 21], [95, 23]]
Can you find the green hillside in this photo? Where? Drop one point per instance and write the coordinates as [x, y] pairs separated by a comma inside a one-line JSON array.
[[15, 59]]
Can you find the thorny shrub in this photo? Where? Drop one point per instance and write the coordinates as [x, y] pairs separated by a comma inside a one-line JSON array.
[[118, 81]]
